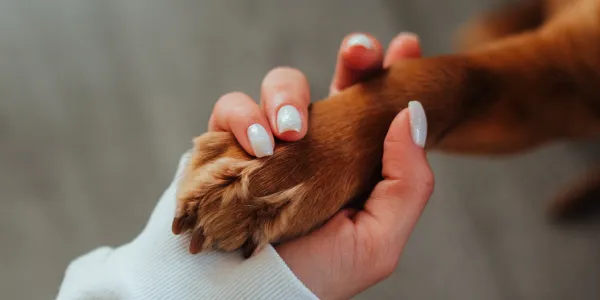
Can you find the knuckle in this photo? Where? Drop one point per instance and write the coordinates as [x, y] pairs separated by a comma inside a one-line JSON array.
[[420, 177], [212, 122], [236, 103], [233, 106], [231, 96], [427, 180], [286, 69], [281, 77]]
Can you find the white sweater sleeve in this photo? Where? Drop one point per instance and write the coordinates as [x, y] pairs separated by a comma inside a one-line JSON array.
[[157, 265]]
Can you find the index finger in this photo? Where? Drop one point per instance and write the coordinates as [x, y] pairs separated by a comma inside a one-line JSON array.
[[239, 114]]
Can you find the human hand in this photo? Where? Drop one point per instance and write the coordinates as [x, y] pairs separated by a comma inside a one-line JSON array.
[[285, 94], [354, 250]]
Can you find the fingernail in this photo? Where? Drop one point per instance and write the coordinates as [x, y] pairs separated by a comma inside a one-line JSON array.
[[288, 119], [260, 141], [360, 39], [418, 123]]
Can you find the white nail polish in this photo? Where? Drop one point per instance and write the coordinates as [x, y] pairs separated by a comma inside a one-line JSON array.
[[288, 119], [260, 140], [418, 123], [360, 39]]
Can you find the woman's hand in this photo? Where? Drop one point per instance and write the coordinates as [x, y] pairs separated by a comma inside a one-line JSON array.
[[285, 94], [354, 250]]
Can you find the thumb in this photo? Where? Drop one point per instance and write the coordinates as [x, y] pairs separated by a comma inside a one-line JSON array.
[[397, 202]]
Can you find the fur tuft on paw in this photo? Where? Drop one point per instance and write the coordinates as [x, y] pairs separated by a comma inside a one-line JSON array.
[[214, 201]]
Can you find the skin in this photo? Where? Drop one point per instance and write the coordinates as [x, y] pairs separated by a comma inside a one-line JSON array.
[[372, 239]]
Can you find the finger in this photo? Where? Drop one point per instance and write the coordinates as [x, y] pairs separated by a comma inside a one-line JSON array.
[[397, 202], [403, 46], [285, 97], [359, 56], [239, 114]]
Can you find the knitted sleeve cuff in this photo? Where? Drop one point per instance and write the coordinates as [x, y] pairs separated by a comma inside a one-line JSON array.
[[157, 265], [109, 274]]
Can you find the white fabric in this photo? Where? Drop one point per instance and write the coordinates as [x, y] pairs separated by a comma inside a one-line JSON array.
[[157, 265]]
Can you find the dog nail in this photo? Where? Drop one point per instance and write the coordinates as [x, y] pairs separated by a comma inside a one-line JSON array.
[[177, 225], [196, 244], [260, 140], [360, 40], [288, 119], [248, 249], [418, 123]]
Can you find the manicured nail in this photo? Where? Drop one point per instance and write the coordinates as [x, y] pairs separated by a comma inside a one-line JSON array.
[[360, 39], [288, 119], [260, 140], [418, 123]]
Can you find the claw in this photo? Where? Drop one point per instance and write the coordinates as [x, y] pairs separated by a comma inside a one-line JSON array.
[[183, 223], [197, 242], [248, 248], [177, 226]]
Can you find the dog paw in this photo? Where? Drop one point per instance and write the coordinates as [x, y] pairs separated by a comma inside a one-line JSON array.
[[229, 200]]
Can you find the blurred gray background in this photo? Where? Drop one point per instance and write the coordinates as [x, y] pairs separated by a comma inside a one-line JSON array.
[[98, 100]]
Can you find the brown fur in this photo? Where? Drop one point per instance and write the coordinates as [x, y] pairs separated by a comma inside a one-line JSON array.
[[525, 76]]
